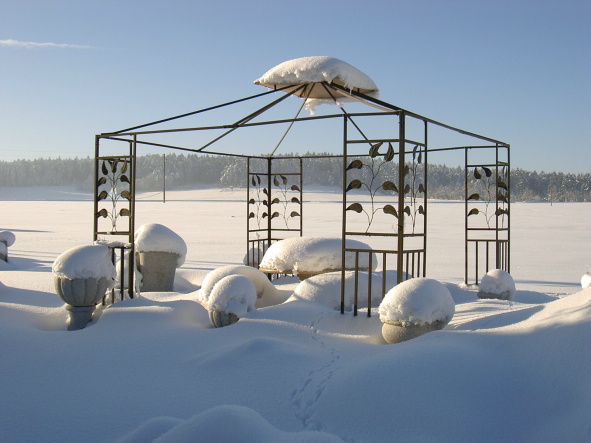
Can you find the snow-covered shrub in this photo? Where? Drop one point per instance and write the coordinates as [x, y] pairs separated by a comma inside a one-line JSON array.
[[230, 299], [497, 284], [415, 307], [586, 280], [7, 239], [267, 293], [253, 256], [326, 289]]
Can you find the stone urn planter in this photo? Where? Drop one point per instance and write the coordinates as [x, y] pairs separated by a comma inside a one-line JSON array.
[[220, 318], [396, 331], [158, 270], [81, 296], [82, 276], [231, 298], [159, 252], [415, 307]]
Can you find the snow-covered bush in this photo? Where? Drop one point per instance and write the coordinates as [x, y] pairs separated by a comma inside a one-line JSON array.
[[313, 255], [497, 284], [586, 280], [326, 289], [253, 256], [230, 299], [7, 239], [415, 307], [267, 293], [153, 237]]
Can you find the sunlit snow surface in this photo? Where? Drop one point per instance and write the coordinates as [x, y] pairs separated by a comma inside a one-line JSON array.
[[154, 367]]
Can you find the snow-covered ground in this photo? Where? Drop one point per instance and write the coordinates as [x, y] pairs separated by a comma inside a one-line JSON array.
[[154, 367]]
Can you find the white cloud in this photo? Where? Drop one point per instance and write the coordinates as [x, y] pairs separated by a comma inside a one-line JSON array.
[[30, 45]]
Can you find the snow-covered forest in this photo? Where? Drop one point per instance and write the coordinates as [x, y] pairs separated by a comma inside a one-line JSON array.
[[445, 182]]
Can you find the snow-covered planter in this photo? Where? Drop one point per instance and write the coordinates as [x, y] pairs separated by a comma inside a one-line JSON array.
[[159, 251], [267, 294], [415, 307], [497, 284], [586, 280], [231, 298], [82, 276], [7, 239]]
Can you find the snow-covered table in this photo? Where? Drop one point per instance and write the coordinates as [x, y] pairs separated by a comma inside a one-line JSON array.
[[307, 256]]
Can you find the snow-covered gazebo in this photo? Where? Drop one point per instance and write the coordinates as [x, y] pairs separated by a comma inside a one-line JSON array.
[[384, 149]]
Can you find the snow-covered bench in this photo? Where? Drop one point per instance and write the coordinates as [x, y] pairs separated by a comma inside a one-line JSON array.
[[307, 256]]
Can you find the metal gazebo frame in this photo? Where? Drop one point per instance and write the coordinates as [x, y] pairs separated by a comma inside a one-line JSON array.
[[393, 167]]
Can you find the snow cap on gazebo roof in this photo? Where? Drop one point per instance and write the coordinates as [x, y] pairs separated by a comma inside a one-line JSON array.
[[312, 71]]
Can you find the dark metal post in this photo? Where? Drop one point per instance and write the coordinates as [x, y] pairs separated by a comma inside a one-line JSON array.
[[466, 216], [269, 208], [95, 187], [401, 177], [163, 178], [344, 215]]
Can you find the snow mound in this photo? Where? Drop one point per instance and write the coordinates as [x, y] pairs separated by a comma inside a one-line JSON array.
[[89, 261], [326, 289], [312, 255], [233, 294], [228, 423], [417, 301], [153, 237], [7, 237], [267, 293], [314, 70], [498, 282], [586, 280]]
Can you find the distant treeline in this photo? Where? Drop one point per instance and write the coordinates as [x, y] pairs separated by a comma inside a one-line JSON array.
[[184, 171]]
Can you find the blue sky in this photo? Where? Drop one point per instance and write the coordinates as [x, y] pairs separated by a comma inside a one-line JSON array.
[[517, 70]]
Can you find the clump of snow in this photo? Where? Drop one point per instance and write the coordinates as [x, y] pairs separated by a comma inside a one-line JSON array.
[[326, 289], [153, 237], [313, 255], [88, 261], [586, 280], [498, 282], [417, 301], [226, 423], [267, 293], [315, 70], [7, 237], [233, 294]]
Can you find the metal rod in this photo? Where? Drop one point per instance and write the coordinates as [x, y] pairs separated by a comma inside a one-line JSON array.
[[401, 177]]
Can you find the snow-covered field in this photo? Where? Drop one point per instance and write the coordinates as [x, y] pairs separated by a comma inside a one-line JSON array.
[[154, 367]]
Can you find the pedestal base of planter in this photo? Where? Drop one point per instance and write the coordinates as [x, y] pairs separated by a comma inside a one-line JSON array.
[[395, 332], [158, 270], [220, 319], [80, 316]]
